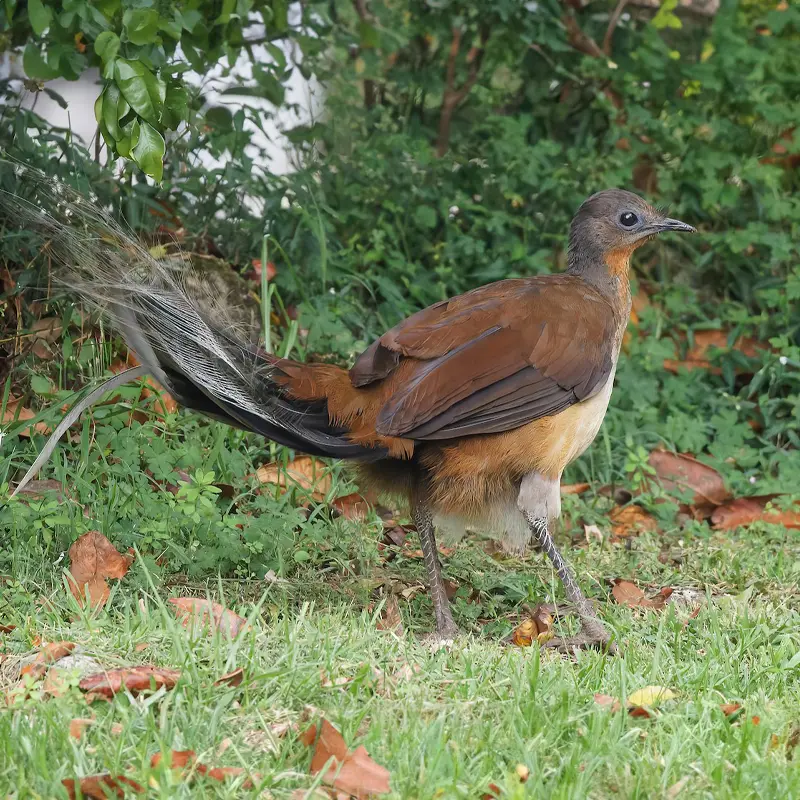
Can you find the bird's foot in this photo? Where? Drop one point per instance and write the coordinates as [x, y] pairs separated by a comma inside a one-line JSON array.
[[444, 636], [591, 634]]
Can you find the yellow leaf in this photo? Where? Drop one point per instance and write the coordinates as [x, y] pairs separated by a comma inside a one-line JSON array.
[[651, 696]]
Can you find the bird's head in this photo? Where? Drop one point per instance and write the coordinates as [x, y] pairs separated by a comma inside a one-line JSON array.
[[611, 224]]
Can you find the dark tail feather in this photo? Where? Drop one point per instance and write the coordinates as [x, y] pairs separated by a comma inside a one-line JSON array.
[[178, 327]]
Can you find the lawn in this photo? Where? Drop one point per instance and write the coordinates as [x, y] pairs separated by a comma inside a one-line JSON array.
[[463, 721]]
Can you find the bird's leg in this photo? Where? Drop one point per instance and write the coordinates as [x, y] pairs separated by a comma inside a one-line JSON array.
[[593, 632], [446, 627]]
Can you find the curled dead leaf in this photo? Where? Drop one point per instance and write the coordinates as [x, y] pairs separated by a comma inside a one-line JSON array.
[[391, 619], [681, 472], [352, 506], [629, 594], [101, 787], [354, 773], [15, 413], [699, 354], [537, 626], [93, 559], [650, 696], [306, 472], [234, 678], [133, 679], [574, 488], [199, 613], [49, 654], [78, 725], [608, 702], [729, 709], [747, 510], [631, 520]]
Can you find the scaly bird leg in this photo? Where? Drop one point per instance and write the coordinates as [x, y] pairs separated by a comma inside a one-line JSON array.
[[446, 627], [593, 632]]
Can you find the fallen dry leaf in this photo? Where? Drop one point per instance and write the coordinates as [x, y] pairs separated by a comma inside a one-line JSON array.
[[682, 472], [631, 521], [38, 489], [306, 472], [101, 787], [537, 626], [234, 678], [164, 403], [443, 551], [15, 413], [55, 682], [134, 679], [7, 628], [729, 709], [183, 759], [197, 612], [574, 488], [699, 353], [627, 593], [272, 270], [676, 788], [78, 725], [651, 696], [93, 559], [176, 759], [747, 510], [394, 536], [607, 701], [47, 330], [49, 654], [352, 506], [354, 773], [390, 618]]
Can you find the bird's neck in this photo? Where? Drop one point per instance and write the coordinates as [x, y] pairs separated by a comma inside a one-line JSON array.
[[607, 272]]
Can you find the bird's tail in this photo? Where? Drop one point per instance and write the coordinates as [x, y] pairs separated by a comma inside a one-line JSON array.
[[179, 327]]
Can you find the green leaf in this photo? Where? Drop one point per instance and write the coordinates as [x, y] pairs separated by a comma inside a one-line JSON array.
[[368, 34], [268, 87], [40, 16], [228, 7], [35, 66], [666, 17], [188, 19], [41, 385], [176, 106], [115, 107], [149, 151], [53, 95], [219, 118], [280, 15], [425, 216], [130, 138], [144, 92], [106, 45], [141, 25]]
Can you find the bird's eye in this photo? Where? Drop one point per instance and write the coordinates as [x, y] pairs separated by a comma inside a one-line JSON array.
[[628, 219]]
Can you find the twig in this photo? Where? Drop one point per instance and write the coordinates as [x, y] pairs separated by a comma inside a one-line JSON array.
[[612, 25], [452, 95], [365, 16]]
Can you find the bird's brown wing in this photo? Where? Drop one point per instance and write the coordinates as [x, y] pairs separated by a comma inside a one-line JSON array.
[[493, 359]]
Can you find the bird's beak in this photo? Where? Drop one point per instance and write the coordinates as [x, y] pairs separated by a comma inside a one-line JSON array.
[[674, 225]]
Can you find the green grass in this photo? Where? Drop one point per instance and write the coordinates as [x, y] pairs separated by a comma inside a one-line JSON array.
[[455, 722]]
